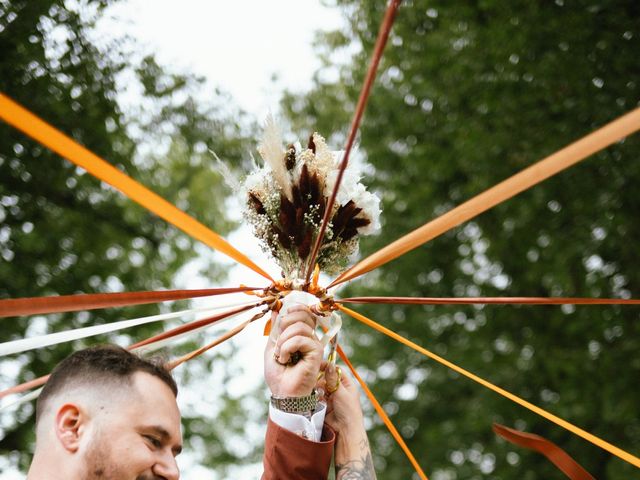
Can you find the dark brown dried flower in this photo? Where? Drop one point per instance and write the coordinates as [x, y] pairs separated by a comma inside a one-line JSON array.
[[346, 221], [256, 203], [308, 203], [290, 157]]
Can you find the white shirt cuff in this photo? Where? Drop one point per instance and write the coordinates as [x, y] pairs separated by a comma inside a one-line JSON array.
[[299, 424]]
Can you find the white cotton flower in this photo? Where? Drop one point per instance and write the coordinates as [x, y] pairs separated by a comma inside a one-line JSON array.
[[370, 204], [350, 185], [352, 189], [255, 180]]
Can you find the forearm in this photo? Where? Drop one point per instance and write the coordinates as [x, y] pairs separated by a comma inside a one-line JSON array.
[[353, 456]]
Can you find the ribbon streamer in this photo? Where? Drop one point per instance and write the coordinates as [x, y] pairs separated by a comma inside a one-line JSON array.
[[52, 138], [331, 326], [28, 397], [223, 338], [491, 300], [527, 178], [383, 415], [23, 387], [554, 453], [381, 41], [176, 339], [90, 301], [170, 334], [618, 452], [193, 325], [26, 344], [151, 347]]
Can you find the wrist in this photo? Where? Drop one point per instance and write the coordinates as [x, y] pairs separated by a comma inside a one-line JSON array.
[[300, 404], [353, 424], [293, 392], [293, 388]]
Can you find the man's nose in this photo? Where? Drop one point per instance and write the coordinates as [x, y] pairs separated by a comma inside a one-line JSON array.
[[167, 468]]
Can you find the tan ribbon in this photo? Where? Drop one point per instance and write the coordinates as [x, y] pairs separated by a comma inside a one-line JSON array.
[[381, 41], [223, 338], [490, 300], [554, 453], [383, 415], [536, 173]]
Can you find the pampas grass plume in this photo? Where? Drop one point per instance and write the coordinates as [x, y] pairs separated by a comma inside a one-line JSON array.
[[273, 154]]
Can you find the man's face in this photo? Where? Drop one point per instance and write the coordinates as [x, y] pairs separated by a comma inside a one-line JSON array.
[[138, 436]]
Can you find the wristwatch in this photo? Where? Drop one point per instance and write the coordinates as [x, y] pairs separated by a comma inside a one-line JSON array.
[[300, 405]]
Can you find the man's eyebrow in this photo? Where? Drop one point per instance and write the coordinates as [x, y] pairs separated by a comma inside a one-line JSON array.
[[165, 436]]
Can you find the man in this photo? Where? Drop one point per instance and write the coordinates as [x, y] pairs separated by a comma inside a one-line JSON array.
[[107, 414]]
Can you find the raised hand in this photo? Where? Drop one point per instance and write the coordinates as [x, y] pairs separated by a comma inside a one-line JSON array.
[[295, 341], [344, 415]]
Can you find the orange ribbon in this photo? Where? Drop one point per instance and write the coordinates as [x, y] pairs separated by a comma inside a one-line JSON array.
[[267, 328], [22, 119], [193, 325], [618, 452], [223, 338], [383, 415]]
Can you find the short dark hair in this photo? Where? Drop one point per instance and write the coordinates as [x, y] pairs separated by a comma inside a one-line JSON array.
[[96, 365]]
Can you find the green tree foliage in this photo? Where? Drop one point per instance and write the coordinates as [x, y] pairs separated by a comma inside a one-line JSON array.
[[468, 94], [61, 230]]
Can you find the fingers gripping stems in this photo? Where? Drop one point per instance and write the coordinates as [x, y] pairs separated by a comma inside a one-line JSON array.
[[329, 324]]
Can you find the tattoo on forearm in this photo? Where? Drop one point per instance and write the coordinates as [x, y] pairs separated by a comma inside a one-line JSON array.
[[357, 469]]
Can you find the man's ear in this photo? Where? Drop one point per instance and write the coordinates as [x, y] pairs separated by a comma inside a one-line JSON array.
[[69, 426]]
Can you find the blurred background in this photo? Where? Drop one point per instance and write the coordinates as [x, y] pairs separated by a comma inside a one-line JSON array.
[[468, 93]]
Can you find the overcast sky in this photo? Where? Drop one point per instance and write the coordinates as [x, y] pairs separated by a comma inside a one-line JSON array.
[[239, 45]]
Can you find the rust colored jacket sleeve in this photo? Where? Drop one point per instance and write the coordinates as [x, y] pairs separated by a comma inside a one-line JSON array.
[[288, 456]]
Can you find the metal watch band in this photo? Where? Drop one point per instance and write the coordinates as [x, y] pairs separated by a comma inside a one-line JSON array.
[[296, 404]]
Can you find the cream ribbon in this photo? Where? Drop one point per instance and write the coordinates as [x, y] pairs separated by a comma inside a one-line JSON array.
[[26, 344]]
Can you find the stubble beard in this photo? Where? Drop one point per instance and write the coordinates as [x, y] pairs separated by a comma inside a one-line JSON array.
[[101, 465]]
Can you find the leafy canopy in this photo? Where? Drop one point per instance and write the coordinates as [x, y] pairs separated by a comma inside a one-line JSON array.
[[468, 94]]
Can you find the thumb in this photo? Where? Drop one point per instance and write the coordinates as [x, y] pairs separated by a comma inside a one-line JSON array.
[[332, 375]]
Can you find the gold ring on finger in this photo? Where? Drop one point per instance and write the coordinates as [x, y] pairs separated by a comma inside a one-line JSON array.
[[331, 390]]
